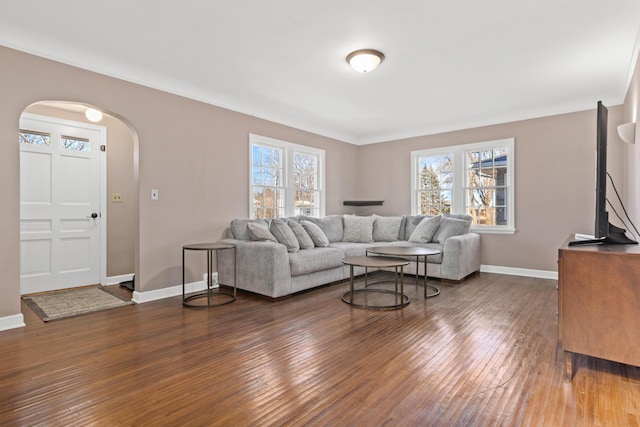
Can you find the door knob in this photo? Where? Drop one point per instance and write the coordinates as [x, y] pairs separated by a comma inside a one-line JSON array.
[[94, 215]]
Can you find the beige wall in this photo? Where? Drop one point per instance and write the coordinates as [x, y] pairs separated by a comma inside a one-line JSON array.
[[121, 218], [632, 152], [195, 154], [554, 181]]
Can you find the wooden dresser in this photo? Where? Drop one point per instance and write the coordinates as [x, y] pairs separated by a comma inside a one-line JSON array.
[[599, 303]]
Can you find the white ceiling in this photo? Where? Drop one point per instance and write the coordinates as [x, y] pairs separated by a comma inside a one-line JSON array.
[[450, 64]]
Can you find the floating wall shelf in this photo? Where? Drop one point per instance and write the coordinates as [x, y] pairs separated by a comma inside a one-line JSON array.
[[363, 202]]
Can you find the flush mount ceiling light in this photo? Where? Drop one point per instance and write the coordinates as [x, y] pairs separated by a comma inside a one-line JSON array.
[[93, 115], [365, 60]]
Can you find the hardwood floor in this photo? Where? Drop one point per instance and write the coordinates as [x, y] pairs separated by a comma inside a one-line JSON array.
[[483, 353]]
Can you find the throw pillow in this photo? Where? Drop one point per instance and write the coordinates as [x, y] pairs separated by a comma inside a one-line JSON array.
[[450, 227], [316, 234], [301, 234], [386, 228], [425, 231], [239, 227], [331, 226], [358, 229], [284, 235], [260, 231]]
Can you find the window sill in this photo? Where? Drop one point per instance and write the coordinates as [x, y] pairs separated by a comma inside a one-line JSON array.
[[493, 230]]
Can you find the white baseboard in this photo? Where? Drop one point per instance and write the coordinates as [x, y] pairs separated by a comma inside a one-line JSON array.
[[116, 280], [173, 291], [525, 272], [12, 322]]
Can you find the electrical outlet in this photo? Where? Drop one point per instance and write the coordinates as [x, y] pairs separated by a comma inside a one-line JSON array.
[[154, 194], [116, 197], [214, 279]]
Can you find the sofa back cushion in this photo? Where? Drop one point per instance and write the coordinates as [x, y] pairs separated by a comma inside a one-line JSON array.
[[386, 228], [358, 229], [331, 226]]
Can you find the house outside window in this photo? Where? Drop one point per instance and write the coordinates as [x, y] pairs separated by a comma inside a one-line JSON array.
[[473, 179], [286, 179]]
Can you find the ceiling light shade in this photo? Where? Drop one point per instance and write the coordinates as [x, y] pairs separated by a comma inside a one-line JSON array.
[[627, 132], [93, 115], [365, 60]]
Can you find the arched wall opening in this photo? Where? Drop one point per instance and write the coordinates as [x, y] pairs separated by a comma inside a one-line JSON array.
[[120, 203]]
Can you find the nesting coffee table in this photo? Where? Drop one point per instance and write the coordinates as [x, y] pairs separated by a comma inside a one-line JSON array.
[[399, 299], [410, 251]]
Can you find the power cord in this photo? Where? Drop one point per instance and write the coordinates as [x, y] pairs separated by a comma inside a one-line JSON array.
[[637, 234]]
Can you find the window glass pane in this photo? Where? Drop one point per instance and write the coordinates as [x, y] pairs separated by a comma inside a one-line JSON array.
[[35, 138], [473, 160], [73, 143], [487, 177], [305, 171], [436, 179]]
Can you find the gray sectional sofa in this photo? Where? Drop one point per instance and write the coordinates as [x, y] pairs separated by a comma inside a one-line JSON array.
[[284, 256]]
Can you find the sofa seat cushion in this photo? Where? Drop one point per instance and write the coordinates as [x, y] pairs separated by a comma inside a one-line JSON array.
[[312, 260], [350, 248], [358, 249]]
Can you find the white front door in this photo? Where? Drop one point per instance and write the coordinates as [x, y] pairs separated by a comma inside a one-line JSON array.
[[60, 199]]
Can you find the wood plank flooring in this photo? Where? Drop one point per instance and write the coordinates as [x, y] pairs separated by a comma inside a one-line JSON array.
[[483, 353]]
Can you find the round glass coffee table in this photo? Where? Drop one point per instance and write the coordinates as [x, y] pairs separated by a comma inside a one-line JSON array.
[[370, 297], [410, 251]]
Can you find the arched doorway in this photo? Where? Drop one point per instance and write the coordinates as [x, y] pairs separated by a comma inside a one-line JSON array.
[[118, 198]]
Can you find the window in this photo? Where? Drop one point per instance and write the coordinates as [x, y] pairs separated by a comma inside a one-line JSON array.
[[286, 179], [474, 179], [75, 143], [35, 138]]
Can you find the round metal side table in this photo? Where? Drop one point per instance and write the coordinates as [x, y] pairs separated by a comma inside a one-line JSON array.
[[211, 292]]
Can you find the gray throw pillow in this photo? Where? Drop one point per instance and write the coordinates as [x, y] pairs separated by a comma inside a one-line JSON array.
[[358, 229], [425, 231], [301, 234], [239, 227], [260, 232], [284, 235], [331, 226], [386, 228], [450, 227], [316, 234]]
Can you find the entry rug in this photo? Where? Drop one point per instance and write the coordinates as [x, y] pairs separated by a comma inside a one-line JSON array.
[[73, 302]]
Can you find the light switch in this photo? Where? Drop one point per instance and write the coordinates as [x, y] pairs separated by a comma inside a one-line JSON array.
[[154, 194], [116, 197]]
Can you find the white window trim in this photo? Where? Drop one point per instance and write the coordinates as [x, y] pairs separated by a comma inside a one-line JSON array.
[[457, 203], [288, 149]]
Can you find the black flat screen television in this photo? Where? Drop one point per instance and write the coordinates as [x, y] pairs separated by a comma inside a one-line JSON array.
[[605, 233]]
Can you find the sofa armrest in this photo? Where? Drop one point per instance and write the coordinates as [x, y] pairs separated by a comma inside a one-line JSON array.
[[261, 267], [461, 256]]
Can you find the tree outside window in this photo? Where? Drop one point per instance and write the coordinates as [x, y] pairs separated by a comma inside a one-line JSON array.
[[435, 184]]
